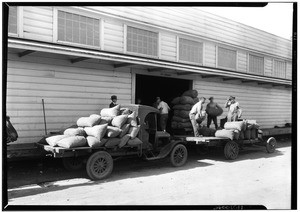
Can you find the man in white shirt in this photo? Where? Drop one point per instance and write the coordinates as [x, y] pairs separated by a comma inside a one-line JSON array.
[[164, 113], [234, 110], [197, 111]]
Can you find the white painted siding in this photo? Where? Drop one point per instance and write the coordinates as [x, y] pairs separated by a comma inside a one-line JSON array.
[[38, 23], [268, 66], [289, 70], [113, 36], [69, 91], [168, 46], [269, 106], [210, 54], [242, 61], [196, 22]]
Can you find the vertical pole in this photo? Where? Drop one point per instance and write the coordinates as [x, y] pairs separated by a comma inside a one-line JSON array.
[[44, 116]]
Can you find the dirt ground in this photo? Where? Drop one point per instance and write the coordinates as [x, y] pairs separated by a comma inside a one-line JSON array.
[[254, 178]]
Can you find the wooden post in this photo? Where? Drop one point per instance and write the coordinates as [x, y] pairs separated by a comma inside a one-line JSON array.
[[44, 116]]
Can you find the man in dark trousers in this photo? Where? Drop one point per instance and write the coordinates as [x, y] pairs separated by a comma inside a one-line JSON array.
[[114, 100], [211, 116]]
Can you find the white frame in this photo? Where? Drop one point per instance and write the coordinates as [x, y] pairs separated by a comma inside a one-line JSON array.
[[194, 40], [140, 54], [217, 57], [248, 63], [77, 12]]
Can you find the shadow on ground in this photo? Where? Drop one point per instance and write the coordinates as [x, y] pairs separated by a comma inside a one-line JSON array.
[[45, 172]]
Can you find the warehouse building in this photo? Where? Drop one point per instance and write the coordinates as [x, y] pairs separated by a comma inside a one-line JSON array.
[[75, 58]]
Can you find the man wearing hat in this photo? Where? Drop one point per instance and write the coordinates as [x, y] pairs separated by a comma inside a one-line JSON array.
[[234, 110], [164, 113], [211, 109], [114, 100], [197, 115]]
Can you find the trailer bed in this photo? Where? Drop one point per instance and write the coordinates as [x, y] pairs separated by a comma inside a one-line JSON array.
[[199, 140]]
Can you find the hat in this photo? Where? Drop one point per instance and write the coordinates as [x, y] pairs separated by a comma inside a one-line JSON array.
[[210, 98], [113, 97], [231, 97]]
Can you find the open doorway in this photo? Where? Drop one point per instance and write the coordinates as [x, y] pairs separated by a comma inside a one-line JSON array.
[[149, 87]]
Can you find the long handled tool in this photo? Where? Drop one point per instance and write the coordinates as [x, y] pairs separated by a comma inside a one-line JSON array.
[[44, 116]]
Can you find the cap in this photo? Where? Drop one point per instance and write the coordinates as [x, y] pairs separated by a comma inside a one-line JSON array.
[[210, 98], [113, 97]]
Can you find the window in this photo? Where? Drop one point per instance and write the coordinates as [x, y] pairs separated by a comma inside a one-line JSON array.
[[13, 20], [191, 51], [78, 29], [279, 69], [142, 41], [256, 64], [226, 58]]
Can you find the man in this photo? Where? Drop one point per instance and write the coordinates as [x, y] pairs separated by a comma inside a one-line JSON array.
[[212, 116], [197, 111], [114, 100], [234, 110], [164, 113]]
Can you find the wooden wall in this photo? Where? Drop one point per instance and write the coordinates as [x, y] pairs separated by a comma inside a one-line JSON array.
[[268, 105], [69, 91]]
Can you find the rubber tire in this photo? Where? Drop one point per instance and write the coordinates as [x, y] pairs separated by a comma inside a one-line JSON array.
[[271, 145], [92, 167], [178, 156], [231, 150], [72, 163]]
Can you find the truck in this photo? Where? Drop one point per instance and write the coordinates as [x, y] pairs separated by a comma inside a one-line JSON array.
[[155, 145]]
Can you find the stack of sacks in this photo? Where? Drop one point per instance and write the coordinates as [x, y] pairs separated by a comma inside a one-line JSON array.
[[232, 130], [113, 127], [251, 129], [182, 106]]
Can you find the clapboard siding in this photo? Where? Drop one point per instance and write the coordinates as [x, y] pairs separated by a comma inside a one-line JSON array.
[[289, 70], [168, 44], [269, 106], [197, 22], [113, 36], [242, 61], [38, 23], [268, 66], [210, 54], [69, 91]]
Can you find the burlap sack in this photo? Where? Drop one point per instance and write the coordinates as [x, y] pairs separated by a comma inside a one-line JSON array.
[[236, 134], [132, 119], [119, 121], [253, 133], [190, 93], [174, 124], [97, 131], [134, 142], [72, 142], [133, 131], [125, 111], [94, 142], [206, 131], [106, 120], [215, 111], [182, 125], [110, 112], [175, 101], [75, 131], [124, 140], [247, 134], [125, 129], [183, 107], [235, 125], [179, 119], [186, 100], [113, 132], [112, 142], [225, 134], [242, 135], [196, 100], [184, 114], [52, 141]]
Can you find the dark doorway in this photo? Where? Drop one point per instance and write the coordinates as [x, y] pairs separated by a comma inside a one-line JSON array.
[[149, 87]]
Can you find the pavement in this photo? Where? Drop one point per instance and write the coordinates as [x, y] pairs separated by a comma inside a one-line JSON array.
[[254, 178]]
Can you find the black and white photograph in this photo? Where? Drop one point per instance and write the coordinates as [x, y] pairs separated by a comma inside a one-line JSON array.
[[154, 105]]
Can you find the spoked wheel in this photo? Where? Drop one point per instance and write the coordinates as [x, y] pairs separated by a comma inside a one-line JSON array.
[[271, 145], [178, 155], [73, 163], [99, 165], [231, 150]]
